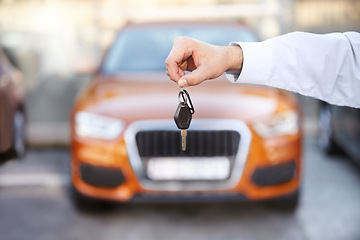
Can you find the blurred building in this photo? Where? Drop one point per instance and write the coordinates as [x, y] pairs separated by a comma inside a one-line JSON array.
[[59, 33], [55, 40]]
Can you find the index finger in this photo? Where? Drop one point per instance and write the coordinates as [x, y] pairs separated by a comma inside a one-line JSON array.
[[179, 52], [172, 68]]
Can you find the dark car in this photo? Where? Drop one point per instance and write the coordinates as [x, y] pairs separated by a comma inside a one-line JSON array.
[[12, 108], [340, 130]]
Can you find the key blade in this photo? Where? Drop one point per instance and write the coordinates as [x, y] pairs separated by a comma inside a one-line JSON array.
[[183, 139]]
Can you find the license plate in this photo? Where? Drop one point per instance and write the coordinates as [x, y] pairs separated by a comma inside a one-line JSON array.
[[215, 168]]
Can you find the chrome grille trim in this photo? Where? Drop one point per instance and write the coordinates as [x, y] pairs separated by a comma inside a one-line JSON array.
[[196, 125]]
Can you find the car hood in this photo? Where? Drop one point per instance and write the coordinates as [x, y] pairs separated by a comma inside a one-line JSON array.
[[131, 98]]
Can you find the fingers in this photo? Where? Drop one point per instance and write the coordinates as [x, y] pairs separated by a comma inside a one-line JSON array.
[[194, 78], [176, 62], [173, 61], [204, 61], [183, 82], [172, 70]]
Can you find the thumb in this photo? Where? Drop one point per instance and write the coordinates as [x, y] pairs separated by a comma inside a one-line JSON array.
[[193, 78]]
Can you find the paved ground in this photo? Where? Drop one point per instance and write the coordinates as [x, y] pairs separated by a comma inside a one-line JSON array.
[[35, 204]]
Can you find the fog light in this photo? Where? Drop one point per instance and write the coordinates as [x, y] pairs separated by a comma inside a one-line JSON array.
[[101, 177], [274, 175]]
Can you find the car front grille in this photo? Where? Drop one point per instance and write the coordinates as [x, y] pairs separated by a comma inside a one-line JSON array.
[[162, 143], [208, 140]]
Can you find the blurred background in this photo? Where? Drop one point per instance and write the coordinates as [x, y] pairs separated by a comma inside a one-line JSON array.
[[58, 43]]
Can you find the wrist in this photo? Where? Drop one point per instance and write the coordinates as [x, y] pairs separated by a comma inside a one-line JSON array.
[[234, 55]]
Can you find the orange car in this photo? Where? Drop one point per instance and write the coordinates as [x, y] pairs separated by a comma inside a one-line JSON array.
[[244, 142], [12, 108]]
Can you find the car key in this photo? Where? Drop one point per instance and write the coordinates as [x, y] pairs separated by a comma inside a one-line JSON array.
[[182, 119], [183, 115]]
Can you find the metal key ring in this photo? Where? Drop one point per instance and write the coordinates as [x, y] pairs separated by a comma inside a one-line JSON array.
[[182, 97], [186, 99]]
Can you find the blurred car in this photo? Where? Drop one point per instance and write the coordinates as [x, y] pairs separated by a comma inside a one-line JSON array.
[[12, 108], [340, 130], [243, 144]]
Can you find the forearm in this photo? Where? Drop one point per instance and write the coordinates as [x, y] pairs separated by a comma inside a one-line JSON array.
[[322, 66]]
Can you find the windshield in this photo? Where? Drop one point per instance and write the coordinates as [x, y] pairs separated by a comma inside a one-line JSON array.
[[145, 49]]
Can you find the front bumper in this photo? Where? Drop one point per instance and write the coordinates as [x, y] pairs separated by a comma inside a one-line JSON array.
[[120, 178], [262, 177]]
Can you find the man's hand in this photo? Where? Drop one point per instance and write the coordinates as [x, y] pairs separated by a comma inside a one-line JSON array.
[[203, 60]]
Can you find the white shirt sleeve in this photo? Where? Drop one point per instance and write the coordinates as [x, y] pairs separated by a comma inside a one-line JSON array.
[[325, 66]]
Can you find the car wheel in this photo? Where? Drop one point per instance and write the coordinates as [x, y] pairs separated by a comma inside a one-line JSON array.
[[325, 140], [85, 203], [286, 203], [19, 143]]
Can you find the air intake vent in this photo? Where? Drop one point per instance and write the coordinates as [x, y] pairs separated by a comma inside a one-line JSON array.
[[159, 143]]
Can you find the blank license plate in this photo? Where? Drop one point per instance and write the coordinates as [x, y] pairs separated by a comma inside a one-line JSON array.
[[215, 168]]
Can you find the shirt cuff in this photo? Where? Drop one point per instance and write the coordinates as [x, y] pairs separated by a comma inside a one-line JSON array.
[[257, 59], [232, 75]]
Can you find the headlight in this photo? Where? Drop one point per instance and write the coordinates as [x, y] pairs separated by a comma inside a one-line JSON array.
[[96, 126], [278, 124]]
